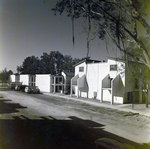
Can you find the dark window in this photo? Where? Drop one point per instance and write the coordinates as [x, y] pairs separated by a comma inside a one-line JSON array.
[[32, 80], [60, 79], [113, 67], [81, 69], [129, 96], [60, 87], [56, 80], [136, 84]]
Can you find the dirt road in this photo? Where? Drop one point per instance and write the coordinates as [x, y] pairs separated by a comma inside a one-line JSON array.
[[40, 121]]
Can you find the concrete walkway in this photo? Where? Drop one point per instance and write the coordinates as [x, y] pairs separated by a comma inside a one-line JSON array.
[[133, 108]]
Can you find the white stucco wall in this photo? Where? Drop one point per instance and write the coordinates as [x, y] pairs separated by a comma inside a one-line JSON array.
[[44, 82], [92, 79], [96, 72], [107, 96], [77, 69], [24, 79], [118, 81], [118, 89], [106, 82], [12, 78], [103, 72]]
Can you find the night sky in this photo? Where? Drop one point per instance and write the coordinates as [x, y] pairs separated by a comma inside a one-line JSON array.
[[28, 27]]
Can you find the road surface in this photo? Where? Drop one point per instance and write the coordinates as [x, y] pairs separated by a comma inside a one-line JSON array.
[[38, 121]]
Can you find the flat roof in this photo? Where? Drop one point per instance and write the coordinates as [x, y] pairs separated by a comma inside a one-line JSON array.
[[87, 61]]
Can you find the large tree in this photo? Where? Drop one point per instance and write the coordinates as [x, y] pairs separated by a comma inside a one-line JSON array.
[[47, 64], [117, 20], [52, 63]]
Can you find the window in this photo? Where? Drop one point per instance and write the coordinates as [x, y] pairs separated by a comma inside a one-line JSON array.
[[60, 79], [113, 67], [60, 87], [81, 69]]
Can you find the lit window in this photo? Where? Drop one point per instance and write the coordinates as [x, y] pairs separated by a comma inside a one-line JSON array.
[[81, 69], [113, 67]]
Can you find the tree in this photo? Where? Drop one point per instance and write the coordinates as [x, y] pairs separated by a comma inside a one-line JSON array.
[[30, 65], [19, 69], [114, 19], [58, 60], [51, 63], [68, 63], [47, 64], [5, 75]]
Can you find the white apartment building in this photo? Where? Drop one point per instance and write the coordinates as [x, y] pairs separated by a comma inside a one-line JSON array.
[[107, 81], [45, 82]]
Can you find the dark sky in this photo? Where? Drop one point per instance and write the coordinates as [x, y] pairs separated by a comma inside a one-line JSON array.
[[28, 27]]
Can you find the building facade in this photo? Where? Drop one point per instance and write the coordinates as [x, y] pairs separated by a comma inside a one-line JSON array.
[[109, 81], [45, 82]]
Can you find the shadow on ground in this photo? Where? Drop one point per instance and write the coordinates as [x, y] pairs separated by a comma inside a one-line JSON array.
[[53, 134], [50, 133], [9, 107]]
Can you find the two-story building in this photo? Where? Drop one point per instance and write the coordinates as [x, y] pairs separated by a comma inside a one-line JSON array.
[[107, 81], [45, 82]]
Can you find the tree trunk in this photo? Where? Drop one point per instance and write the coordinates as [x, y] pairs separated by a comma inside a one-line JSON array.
[[148, 95]]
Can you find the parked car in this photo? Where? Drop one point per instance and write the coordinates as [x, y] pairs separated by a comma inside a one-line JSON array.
[[32, 89], [17, 87], [13, 85], [22, 87]]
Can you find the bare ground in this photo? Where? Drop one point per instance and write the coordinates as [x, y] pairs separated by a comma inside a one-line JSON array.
[[41, 121]]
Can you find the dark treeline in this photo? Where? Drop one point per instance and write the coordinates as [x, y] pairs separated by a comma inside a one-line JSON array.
[[52, 63]]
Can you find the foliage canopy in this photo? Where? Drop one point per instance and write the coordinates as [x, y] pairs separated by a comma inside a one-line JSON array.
[[115, 19], [52, 63]]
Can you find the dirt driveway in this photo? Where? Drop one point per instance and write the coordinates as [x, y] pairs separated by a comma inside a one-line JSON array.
[[40, 121]]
